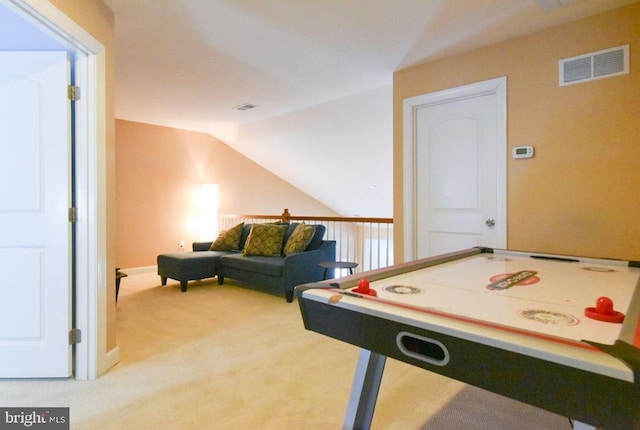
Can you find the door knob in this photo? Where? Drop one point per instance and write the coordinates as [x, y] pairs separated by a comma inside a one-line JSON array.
[[490, 222]]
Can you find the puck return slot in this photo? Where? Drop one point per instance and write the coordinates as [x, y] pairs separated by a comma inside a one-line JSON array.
[[422, 348]]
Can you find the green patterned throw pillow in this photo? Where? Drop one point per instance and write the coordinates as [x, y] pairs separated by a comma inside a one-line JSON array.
[[265, 240], [228, 240], [299, 239]]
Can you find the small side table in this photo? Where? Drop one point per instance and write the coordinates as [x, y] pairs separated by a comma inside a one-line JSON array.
[[119, 275], [337, 265]]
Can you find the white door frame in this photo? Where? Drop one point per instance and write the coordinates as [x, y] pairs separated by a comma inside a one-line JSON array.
[[496, 86], [91, 355]]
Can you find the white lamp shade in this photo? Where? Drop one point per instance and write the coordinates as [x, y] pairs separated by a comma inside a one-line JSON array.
[[208, 211]]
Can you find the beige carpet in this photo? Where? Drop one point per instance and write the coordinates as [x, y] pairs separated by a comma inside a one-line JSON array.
[[228, 357]]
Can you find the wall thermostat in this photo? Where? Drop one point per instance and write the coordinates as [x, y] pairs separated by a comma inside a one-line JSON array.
[[522, 152]]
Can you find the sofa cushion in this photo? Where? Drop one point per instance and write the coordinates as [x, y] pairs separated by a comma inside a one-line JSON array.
[[290, 229], [299, 239], [317, 238], [245, 234], [254, 264], [265, 240], [228, 240], [186, 266]]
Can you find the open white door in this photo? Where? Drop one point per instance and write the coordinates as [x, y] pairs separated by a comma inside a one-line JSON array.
[[35, 244]]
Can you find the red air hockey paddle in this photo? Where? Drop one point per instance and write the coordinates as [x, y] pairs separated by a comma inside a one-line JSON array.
[[603, 311]]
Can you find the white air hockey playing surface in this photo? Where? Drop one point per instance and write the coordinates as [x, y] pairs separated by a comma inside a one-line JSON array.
[[550, 301]]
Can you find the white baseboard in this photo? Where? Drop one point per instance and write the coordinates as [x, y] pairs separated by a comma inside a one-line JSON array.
[[110, 359]]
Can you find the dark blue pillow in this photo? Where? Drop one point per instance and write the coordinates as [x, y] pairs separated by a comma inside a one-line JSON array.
[[318, 236]]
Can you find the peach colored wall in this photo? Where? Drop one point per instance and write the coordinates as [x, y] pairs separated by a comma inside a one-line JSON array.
[[579, 194], [159, 170], [98, 20]]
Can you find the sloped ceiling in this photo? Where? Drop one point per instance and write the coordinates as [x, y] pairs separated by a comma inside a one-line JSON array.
[[320, 73]]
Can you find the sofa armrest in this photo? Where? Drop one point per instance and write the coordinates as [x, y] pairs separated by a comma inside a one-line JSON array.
[[201, 246], [302, 267]]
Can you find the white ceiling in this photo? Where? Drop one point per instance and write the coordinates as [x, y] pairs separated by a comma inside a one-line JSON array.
[[320, 72]]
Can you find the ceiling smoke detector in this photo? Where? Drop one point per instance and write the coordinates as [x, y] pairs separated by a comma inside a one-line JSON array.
[[245, 106]]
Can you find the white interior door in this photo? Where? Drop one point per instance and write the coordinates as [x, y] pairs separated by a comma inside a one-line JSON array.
[[35, 291], [457, 169]]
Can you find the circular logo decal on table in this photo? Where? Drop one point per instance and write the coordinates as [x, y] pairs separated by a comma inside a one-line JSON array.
[[549, 317], [599, 269], [403, 289]]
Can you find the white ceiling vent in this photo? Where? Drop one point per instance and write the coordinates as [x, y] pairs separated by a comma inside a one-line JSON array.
[[549, 5], [245, 106], [596, 65]]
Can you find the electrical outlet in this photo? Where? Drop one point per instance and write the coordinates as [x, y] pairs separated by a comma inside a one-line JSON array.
[[181, 245]]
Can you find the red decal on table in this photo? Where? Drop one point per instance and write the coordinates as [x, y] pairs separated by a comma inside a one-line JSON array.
[[508, 280]]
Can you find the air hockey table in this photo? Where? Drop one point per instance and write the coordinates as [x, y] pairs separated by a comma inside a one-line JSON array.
[[557, 332]]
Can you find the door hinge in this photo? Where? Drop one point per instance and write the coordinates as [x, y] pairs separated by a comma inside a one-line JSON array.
[[75, 336], [73, 93], [73, 214]]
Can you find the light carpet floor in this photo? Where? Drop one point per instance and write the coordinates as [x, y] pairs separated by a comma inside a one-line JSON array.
[[230, 357]]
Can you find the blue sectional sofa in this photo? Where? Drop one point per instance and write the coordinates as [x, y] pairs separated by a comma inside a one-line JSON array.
[[279, 272]]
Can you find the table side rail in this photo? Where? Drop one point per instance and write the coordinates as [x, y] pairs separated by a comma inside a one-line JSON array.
[[577, 259]]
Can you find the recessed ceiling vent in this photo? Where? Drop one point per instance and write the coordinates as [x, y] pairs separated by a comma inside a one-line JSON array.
[[549, 5], [596, 65], [246, 106]]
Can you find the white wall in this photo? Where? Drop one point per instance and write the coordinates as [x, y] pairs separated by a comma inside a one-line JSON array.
[[341, 152]]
